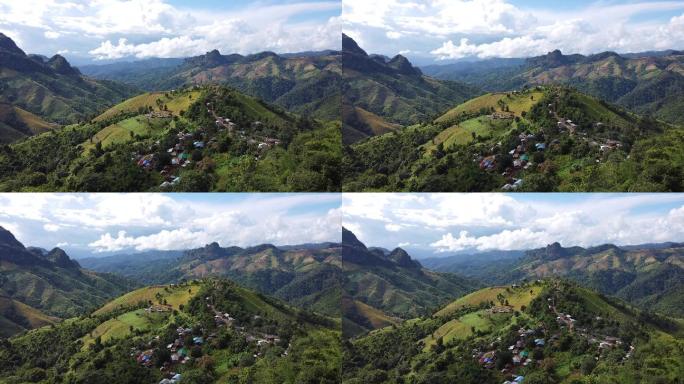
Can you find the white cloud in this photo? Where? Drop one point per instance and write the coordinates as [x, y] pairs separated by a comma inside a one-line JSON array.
[[454, 29], [52, 35], [51, 227], [113, 29], [479, 222], [142, 221]]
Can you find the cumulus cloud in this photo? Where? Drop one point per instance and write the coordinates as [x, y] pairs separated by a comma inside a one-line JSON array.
[[104, 223], [443, 223], [114, 29], [455, 29]]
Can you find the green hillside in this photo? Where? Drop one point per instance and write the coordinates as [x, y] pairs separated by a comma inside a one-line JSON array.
[[646, 83], [207, 331], [382, 289], [539, 139], [37, 288], [548, 331], [17, 317], [172, 142], [303, 84], [382, 95], [49, 90], [307, 278]]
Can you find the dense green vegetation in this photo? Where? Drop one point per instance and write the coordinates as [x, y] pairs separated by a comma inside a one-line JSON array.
[[645, 83], [304, 84], [129, 148], [39, 287], [50, 88], [380, 94], [220, 332], [499, 334], [306, 277], [382, 287], [491, 143]]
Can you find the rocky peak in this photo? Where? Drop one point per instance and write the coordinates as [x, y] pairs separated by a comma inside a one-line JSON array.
[[402, 258], [403, 66], [60, 65], [8, 45], [349, 239], [8, 240], [60, 259], [350, 46]]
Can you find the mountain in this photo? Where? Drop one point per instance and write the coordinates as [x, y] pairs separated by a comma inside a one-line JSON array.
[[647, 83], [41, 90], [382, 289], [483, 266], [306, 83], [549, 331], [648, 276], [540, 139], [208, 331], [652, 279], [37, 288], [381, 95], [209, 138], [308, 276]]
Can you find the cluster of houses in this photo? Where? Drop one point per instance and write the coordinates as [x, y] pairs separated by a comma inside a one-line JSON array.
[[158, 308], [159, 114], [223, 122], [180, 351], [567, 124]]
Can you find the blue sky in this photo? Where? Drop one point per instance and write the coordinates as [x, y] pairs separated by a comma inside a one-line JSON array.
[[446, 224], [103, 224], [110, 30], [439, 31]]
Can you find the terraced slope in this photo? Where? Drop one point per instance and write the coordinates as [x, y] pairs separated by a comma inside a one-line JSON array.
[[549, 331], [649, 83], [307, 84], [191, 139], [307, 277], [211, 330], [536, 139]]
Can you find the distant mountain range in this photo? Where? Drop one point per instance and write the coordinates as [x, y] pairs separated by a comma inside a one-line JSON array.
[[38, 93], [649, 276], [646, 83], [382, 288], [304, 83], [37, 287], [382, 94], [307, 276]]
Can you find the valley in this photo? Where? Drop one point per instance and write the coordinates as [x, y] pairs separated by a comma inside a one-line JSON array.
[[540, 139], [543, 135], [381, 289], [62, 322], [195, 133]]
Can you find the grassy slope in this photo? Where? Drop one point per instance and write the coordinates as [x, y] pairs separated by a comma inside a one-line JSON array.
[[34, 122], [516, 104], [12, 311], [175, 104]]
